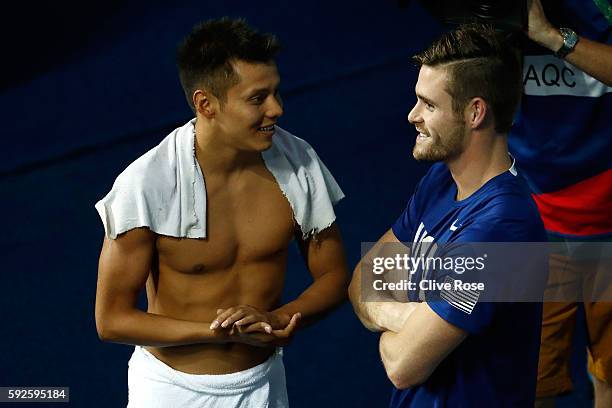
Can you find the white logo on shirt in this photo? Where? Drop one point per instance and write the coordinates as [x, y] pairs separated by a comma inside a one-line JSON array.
[[464, 300], [453, 227], [423, 246]]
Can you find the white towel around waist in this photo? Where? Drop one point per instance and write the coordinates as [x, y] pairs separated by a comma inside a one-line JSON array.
[[153, 384], [148, 366]]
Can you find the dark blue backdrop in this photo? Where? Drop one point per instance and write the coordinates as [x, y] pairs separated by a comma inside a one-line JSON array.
[[90, 88]]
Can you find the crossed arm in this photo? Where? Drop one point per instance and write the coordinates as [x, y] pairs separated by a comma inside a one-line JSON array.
[[414, 339], [124, 268]]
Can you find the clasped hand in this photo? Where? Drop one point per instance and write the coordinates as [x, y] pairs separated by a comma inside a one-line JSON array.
[[248, 325]]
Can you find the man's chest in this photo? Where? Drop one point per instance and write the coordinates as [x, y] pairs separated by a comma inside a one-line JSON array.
[[437, 220], [248, 221]]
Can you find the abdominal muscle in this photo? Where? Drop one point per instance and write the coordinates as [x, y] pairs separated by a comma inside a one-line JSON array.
[[197, 296]]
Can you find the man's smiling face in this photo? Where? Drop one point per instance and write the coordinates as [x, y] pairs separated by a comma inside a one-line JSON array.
[[441, 132], [246, 119]]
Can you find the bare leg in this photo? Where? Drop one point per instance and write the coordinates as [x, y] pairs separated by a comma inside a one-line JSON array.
[[603, 394]]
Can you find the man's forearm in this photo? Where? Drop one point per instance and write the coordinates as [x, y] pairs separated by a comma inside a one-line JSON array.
[[369, 313], [592, 57], [378, 316], [388, 315], [325, 293], [424, 341], [366, 313], [147, 329]]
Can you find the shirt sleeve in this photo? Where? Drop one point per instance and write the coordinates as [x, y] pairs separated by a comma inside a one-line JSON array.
[[458, 305], [510, 272], [476, 321]]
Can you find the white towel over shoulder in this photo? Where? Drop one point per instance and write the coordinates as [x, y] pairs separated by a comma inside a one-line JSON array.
[[164, 189]]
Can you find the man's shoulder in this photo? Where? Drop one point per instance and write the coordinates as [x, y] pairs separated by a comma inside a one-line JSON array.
[[505, 212], [507, 218], [510, 198], [148, 194], [150, 170]]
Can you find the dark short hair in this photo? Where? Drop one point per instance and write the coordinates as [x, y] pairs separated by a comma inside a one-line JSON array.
[[204, 58], [479, 62]]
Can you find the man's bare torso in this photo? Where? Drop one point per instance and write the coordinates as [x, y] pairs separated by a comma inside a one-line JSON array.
[[249, 227]]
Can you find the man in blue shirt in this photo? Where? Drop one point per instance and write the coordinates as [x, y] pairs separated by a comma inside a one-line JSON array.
[[461, 352]]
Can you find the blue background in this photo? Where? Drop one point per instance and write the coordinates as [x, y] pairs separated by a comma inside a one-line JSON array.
[[89, 87]]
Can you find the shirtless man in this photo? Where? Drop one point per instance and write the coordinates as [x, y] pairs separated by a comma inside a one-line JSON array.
[[214, 300]]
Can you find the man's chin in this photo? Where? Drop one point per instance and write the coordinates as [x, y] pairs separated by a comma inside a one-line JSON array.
[[427, 155], [263, 147]]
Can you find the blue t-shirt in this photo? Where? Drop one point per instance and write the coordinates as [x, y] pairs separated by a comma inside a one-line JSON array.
[[496, 365]]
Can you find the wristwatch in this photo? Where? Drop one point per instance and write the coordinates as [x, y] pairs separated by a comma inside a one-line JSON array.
[[570, 39]]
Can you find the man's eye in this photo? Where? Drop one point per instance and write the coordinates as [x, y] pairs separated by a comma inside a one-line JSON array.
[[429, 106], [258, 98]]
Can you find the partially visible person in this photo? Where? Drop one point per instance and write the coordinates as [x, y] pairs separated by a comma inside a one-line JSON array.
[[562, 142], [204, 221], [449, 352]]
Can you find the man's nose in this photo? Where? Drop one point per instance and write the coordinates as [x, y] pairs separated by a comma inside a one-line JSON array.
[[275, 107], [414, 116]]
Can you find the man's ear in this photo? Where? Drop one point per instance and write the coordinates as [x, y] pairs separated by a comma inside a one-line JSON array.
[[476, 112], [205, 103]]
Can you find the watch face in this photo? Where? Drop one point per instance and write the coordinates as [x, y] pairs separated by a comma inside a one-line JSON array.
[[569, 37]]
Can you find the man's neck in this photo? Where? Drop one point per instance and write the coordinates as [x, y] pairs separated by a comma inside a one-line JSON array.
[[217, 158], [485, 158]]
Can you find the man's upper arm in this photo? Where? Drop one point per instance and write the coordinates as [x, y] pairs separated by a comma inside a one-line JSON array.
[[123, 269], [324, 257], [424, 341], [324, 252]]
